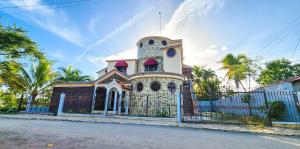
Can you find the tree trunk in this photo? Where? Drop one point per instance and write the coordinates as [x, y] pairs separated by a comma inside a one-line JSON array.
[[242, 85], [20, 103]]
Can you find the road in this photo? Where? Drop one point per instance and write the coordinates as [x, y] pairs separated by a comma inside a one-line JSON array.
[[39, 134]]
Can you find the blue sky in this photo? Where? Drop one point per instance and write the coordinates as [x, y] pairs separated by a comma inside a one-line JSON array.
[[87, 33]]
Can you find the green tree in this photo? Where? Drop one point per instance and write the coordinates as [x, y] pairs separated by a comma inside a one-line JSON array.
[[206, 83], [15, 43], [35, 80], [70, 74], [238, 68], [278, 70]]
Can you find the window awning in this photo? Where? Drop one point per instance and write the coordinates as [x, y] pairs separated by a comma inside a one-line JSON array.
[[150, 61], [121, 63]]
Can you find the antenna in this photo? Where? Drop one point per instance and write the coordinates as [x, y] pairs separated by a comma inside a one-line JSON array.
[[159, 23]]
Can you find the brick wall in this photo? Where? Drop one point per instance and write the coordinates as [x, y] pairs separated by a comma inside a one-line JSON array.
[[77, 100]]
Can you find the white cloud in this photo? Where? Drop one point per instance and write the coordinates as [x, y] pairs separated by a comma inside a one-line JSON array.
[[55, 21], [223, 48], [184, 24], [115, 32], [190, 8]]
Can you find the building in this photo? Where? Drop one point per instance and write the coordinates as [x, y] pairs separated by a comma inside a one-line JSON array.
[[131, 86], [291, 84]]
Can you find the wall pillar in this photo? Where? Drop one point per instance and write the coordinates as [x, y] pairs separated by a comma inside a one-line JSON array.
[[179, 109], [126, 102], [115, 102], [119, 102], [106, 102], [94, 98], [28, 104], [61, 104]]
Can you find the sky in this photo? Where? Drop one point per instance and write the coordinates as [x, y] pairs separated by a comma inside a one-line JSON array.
[[85, 33]]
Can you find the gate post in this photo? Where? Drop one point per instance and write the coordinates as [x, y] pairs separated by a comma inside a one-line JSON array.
[[179, 109], [28, 104], [61, 104]]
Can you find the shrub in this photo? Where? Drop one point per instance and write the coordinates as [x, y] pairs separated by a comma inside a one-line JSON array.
[[277, 110], [246, 98]]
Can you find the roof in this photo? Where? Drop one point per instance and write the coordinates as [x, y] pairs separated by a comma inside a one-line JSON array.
[[186, 66], [292, 79]]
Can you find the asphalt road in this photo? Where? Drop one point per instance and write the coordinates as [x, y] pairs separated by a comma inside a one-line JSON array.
[[39, 134]]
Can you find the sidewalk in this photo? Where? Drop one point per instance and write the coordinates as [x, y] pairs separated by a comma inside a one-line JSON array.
[[156, 122]]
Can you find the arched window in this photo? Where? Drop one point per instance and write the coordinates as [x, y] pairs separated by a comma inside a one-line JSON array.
[[151, 65], [139, 86], [121, 66]]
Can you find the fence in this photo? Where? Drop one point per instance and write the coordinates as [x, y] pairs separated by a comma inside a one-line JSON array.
[[40, 104], [153, 104], [246, 108]]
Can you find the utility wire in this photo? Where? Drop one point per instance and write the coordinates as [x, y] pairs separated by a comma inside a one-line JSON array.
[[295, 48], [44, 4], [291, 24]]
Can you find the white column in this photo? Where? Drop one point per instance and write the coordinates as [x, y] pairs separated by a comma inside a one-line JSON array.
[[106, 101], [94, 98], [126, 102], [120, 101], [28, 103], [115, 102], [61, 104], [179, 109]]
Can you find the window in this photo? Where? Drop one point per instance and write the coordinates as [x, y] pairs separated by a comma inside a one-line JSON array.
[[122, 69], [171, 52], [151, 68], [164, 42], [172, 87], [141, 44], [139, 86], [155, 86], [151, 41]]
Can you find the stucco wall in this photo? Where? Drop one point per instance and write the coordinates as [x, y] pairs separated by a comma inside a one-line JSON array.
[[296, 86], [286, 86], [131, 69], [172, 64]]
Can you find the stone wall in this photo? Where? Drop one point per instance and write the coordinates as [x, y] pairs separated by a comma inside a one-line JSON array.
[[160, 103]]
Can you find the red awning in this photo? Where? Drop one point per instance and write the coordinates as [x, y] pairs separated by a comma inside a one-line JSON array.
[[150, 61], [121, 63]]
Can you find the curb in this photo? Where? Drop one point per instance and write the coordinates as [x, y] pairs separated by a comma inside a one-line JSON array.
[[163, 125]]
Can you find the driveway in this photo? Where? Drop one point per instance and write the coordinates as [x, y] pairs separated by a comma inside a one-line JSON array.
[[36, 134]]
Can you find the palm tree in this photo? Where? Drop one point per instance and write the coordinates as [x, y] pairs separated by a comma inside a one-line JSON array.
[[69, 75], [238, 68], [33, 81], [207, 85]]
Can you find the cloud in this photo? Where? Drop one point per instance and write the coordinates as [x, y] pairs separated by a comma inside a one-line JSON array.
[[188, 9], [99, 62], [223, 48], [184, 24], [55, 21], [115, 32]]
